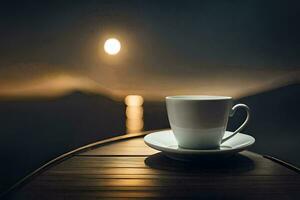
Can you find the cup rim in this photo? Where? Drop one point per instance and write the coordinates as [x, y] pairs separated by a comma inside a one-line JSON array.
[[198, 97]]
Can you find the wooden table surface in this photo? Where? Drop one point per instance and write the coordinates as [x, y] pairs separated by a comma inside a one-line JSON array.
[[126, 168]]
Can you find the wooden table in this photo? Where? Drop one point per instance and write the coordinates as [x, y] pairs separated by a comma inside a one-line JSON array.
[[124, 167]]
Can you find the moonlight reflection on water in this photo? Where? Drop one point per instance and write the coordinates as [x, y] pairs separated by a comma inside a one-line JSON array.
[[134, 113]]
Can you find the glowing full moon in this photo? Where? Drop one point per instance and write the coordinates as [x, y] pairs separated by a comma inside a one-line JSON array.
[[112, 46]]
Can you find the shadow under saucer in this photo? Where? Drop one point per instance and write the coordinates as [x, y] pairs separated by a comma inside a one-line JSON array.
[[237, 163]]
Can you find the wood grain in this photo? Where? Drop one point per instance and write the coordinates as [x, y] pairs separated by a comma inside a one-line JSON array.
[[129, 169], [133, 147]]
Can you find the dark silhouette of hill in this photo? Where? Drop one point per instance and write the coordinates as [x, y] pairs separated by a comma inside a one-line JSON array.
[[155, 116], [38, 130]]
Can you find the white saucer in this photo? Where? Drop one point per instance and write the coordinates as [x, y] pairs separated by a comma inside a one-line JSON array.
[[165, 142]]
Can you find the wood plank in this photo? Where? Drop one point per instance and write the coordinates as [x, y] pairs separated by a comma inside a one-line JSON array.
[[236, 191], [84, 177], [134, 146], [204, 181]]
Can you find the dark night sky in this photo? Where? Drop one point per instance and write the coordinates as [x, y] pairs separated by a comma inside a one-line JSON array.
[[199, 47]]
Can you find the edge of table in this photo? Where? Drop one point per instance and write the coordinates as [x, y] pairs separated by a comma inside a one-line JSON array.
[[97, 144]]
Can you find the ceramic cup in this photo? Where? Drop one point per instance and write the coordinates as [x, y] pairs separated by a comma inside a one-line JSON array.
[[199, 122]]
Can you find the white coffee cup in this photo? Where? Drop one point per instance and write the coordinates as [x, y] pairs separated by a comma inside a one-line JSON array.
[[199, 122]]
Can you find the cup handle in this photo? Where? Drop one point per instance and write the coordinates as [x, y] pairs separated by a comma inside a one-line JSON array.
[[234, 108]]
